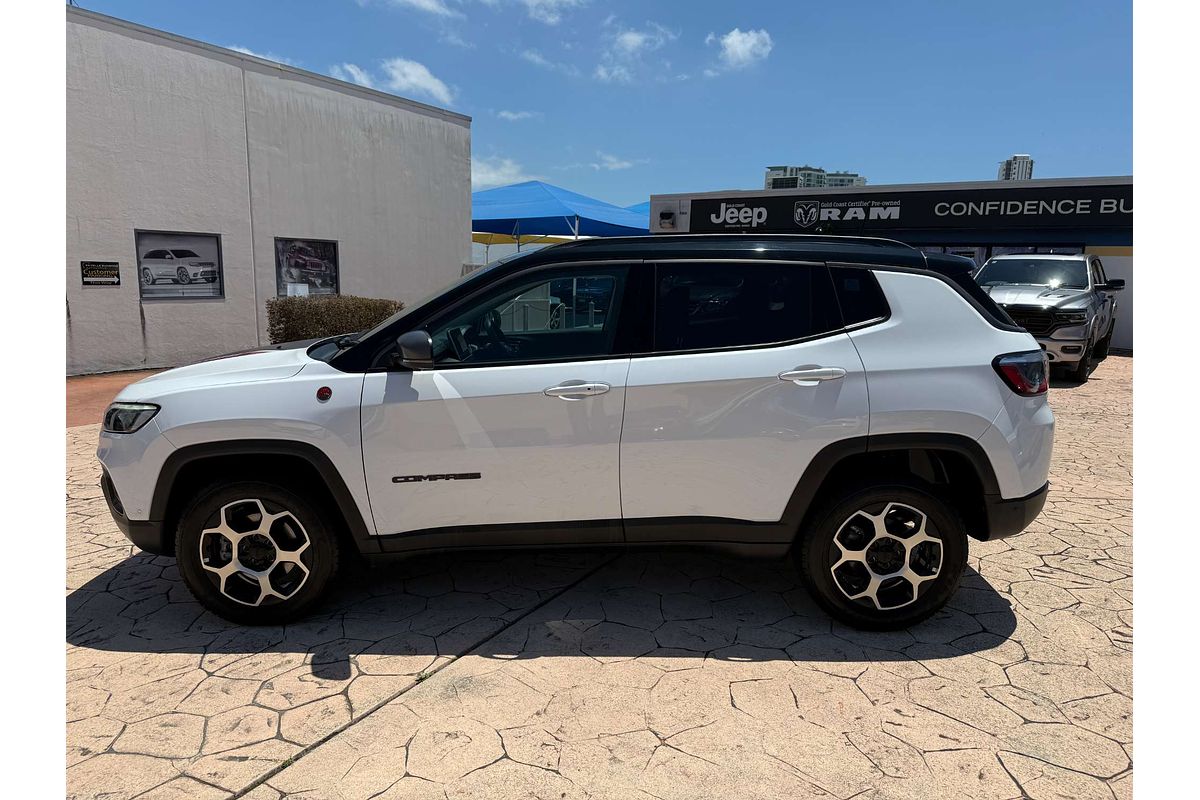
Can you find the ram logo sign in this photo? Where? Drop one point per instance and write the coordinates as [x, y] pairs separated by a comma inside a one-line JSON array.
[[805, 212]]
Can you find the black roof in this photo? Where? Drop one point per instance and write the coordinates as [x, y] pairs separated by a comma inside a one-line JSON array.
[[794, 247]]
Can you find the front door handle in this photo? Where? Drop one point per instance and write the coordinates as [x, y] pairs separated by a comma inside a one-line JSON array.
[[577, 390], [810, 376]]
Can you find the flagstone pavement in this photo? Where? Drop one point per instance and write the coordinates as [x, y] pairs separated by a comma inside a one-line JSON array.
[[670, 675]]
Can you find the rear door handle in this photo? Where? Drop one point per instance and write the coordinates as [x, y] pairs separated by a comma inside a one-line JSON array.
[[810, 376], [577, 390]]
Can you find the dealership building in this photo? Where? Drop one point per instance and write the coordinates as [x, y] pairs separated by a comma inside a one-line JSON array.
[[977, 220], [202, 182]]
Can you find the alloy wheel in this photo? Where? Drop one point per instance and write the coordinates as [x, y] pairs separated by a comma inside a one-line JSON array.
[[253, 556], [884, 559]]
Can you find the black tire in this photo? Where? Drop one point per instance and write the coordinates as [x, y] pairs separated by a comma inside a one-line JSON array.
[[1083, 367], [183, 275], [320, 557], [1101, 351], [148, 277], [816, 555]]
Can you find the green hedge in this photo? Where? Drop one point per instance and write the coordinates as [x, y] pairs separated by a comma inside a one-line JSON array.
[[293, 318]]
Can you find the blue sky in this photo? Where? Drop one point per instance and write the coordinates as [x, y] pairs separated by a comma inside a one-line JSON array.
[[622, 99]]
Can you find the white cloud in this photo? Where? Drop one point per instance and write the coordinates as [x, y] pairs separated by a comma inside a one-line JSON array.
[[614, 73], [622, 56], [517, 116], [435, 7], [488, 172], [632, 43], [352, 73], [740, 48], [403, 75], [537, 59], [549, 11], [267, 56], [610, 162], [450, 37], [399, 75]]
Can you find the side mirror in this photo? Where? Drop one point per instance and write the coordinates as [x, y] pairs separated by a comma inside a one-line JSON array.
[[1115, 284], [416, 350]]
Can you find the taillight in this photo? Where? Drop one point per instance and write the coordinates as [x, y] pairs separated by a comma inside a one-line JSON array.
[[1027, 374]]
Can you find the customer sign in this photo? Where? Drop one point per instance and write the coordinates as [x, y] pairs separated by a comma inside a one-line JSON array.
[[100, 273]]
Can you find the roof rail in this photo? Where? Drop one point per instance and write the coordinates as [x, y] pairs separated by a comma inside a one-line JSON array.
[[874, 241]]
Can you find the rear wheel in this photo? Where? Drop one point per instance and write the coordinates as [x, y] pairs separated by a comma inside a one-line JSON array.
[[255, 553], [884, 557], [147, 276]]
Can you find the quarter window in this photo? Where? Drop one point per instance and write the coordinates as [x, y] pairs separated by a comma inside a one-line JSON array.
[[859, 295], [702, 306]]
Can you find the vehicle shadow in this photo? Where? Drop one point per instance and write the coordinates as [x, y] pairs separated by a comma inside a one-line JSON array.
[[663, 604], [1058, 380]]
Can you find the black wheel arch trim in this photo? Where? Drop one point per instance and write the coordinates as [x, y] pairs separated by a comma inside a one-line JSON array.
[[312, 454], [804, 497]]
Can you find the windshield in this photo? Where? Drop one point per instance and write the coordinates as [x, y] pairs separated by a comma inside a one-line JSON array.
[[1053, 272]]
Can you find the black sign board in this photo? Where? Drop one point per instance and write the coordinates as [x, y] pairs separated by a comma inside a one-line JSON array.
[[100, 273], [1042, 207]]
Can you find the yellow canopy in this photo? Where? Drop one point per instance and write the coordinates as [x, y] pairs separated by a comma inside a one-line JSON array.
[[504, 238]]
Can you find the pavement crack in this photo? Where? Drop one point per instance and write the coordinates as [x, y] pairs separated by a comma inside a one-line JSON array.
[[261, 779]]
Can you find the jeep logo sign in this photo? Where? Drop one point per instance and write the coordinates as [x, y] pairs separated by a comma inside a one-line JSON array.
[[738, 214]]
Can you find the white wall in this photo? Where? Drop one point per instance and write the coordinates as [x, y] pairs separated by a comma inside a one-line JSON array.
[[393, 188], [1121, 267], [155, 141], [172, 135]]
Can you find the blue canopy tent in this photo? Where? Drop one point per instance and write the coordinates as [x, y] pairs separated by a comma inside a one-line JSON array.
[[640, 208], [534, 208]]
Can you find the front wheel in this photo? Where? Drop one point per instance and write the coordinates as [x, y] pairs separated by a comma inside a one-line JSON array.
[[255, 553], [1079, 373], [1103, 345], [883, 558]]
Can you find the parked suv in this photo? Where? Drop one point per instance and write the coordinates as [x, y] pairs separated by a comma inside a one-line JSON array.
[[176, 266], [302, 264], [1066, 301], [855, 402]]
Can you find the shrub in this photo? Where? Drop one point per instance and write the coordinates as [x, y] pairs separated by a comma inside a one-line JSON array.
[[293, 318]]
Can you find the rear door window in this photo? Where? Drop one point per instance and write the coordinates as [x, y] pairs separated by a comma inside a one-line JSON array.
[[717, 305]]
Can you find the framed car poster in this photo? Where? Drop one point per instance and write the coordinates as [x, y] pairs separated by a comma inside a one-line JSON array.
[[311, 263], [179, 266]]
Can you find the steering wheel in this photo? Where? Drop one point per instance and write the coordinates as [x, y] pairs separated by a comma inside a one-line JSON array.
[[489, 326]]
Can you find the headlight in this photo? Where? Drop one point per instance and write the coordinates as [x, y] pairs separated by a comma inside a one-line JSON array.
[[128, 417], [1069, 317]]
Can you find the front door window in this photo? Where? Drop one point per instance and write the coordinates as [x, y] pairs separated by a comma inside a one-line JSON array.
[[531, 319]]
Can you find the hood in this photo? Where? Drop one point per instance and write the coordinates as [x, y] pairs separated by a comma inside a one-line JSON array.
[[256, 365], [1029, 295]]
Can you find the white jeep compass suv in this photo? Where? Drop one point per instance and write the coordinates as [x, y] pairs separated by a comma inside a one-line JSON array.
[[855, 402]]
